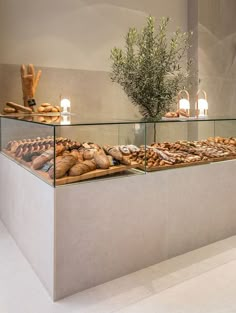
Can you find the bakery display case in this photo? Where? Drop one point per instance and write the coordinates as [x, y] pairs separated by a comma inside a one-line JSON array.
[[65, 149], [173, 143], [72, 226], [69, 150]]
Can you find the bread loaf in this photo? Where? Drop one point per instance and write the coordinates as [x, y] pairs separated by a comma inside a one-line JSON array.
[[46, 156], [101, 160], [62, 166], [91, 164], [114, 152], [43, 158], [125, 161], [82, 168], [88, 154]]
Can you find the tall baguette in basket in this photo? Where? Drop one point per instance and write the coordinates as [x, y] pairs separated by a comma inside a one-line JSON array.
[[29, 81]]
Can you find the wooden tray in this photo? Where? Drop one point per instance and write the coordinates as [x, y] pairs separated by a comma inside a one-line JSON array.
[[165, 167], [73, 179], [95, 174]]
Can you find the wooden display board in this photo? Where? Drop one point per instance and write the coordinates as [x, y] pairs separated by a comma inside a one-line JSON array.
[[180, 165], [72, 179]]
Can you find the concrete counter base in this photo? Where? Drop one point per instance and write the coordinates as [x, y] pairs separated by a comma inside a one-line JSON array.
[[79, 236]]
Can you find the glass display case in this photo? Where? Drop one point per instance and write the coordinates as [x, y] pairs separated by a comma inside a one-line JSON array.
[[181, 142], [65, 149]]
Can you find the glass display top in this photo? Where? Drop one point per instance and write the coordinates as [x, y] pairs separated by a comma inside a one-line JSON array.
[[76, 120]]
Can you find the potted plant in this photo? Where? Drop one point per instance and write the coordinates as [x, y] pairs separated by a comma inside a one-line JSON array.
[[152, 68]]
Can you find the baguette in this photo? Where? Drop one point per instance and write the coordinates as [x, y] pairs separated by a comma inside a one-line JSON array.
[[19, 107]]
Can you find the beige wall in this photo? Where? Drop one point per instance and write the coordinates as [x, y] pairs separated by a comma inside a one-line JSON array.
[[71, 42], [75, 34], [217, 54]]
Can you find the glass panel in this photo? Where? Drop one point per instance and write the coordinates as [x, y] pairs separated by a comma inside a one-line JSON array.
[[30, 145], [77, 120], [97, 151], [225, 128], [172, 145]]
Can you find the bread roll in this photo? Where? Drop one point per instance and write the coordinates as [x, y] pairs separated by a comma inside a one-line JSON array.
[[58, 108], [48, 108], [41, 109], [89, 153], [45, 104], [9, 110]]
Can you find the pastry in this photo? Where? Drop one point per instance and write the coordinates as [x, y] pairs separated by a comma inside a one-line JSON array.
[[183, 112], [133, 148], [172, 114]]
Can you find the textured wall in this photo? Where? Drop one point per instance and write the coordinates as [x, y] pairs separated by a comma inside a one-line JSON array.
[[71, 42]]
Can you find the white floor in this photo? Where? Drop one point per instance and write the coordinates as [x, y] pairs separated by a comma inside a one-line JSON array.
[[201, 281]]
